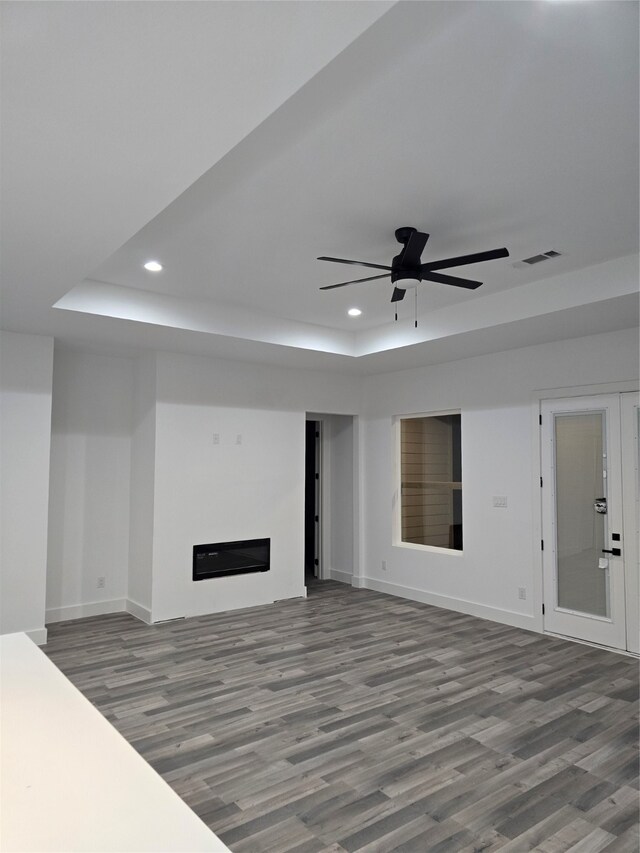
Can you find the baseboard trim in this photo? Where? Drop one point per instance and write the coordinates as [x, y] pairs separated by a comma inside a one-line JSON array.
[[38, 635], [82, 611], [137, 610], [482, 611], [342, 577]]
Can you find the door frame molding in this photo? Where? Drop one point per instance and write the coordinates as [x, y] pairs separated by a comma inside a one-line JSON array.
[[537, 397], [604, 630], [630, 515]]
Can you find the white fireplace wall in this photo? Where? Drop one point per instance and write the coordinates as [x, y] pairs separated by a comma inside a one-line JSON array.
[[229, 464], [207, 492]]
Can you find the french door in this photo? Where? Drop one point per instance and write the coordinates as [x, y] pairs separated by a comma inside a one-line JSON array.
[[589, 504]]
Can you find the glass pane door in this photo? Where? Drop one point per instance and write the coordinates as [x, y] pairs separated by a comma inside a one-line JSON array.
[[581, 513], [631, 514], [583, 544]]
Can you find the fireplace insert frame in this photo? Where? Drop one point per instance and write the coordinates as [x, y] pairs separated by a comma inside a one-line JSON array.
[[222, 559]]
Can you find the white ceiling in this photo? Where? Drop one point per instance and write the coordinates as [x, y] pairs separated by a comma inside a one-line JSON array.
[[235, 142]]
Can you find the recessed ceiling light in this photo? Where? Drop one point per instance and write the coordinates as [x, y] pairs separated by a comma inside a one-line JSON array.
[[354, 312], [153, 266]]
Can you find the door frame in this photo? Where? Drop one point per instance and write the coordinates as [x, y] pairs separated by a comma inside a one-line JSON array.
[[630, 518], [606, 631], [326, 421], [536, 398]]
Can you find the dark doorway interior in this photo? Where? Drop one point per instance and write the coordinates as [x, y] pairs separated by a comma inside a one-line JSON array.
[[311, 509]]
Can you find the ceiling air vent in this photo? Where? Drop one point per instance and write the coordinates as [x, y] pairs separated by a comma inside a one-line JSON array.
[[538, 259]]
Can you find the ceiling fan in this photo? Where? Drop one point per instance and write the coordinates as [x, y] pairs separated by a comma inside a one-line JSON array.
[[406, 271]]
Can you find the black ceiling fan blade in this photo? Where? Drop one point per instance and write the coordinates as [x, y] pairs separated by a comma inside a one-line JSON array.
[[398, 294], [355, 281], [460, 261], [450, 279], [357, 263], [413, 250]]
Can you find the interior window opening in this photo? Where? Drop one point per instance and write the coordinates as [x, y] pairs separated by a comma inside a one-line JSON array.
[[431, 481]]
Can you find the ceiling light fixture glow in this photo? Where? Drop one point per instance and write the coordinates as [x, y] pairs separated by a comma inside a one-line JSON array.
[[153, 266], [354, 312]]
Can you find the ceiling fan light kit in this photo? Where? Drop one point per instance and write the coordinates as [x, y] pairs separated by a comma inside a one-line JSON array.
[[407, 270]]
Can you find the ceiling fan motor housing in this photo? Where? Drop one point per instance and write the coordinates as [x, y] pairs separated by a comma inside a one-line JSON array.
[[404, 278]]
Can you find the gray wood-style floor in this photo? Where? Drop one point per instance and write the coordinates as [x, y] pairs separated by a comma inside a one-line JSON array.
[[355, 721]]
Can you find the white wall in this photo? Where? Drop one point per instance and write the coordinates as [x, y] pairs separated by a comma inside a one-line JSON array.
[[136, 480], [496, 395], [216, 493], [26, 364], [145, 431], [143, 466], [206, 492], [89, 484]]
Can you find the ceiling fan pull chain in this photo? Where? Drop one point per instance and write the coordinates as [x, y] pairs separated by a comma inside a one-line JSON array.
[[416, 307]]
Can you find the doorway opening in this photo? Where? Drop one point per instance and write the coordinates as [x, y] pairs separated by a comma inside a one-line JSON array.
[[312, 507], [331, 495]]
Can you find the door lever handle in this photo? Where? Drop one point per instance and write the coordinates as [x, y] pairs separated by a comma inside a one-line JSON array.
[[615, 552]]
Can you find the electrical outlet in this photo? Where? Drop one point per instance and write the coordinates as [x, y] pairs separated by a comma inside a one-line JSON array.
[[522, 593], [500, 500], [216, 438], [384, 565], [100, 583], [239, 438]]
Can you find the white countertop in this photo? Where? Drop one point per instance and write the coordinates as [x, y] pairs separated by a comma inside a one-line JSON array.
[[68, 780]]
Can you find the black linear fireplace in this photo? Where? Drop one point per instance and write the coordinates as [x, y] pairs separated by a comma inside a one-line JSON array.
[[230, 558]]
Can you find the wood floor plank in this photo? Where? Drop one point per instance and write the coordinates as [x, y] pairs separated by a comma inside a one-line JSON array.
[[355, 722]]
